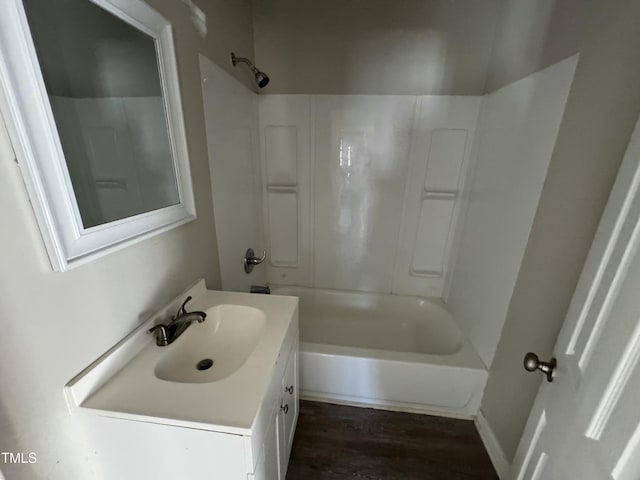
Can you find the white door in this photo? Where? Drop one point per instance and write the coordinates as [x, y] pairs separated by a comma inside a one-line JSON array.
[[586, 423]]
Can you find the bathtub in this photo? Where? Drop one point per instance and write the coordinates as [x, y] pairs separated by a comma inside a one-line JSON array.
[[387, 351]]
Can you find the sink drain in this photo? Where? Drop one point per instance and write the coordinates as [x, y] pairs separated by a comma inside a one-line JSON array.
[[204, 364]]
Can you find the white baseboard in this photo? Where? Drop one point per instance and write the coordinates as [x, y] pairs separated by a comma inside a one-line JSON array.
[[496, 454]]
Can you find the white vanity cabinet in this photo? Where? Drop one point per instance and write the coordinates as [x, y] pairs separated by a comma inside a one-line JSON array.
[[280, 414], [288, 413], [236, 427], [135, 450]]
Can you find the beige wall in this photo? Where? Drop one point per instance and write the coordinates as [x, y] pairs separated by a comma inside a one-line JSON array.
[[54, 324], [416, 47], [601, 111], [531, 36], [229, 29]]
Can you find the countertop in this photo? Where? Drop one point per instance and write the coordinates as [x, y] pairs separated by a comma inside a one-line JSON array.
[[229, 405]]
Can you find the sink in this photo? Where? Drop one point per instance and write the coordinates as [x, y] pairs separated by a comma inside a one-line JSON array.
[[215, 349], [214, 377]]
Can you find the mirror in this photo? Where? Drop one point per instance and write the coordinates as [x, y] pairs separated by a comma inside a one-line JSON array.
[[102, 138], [103, 83]]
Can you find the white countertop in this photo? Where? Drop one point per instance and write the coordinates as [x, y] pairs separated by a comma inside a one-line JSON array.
[[230, 405]]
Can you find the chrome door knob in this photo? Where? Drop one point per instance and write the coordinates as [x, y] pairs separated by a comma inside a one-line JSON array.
[[533, 363]]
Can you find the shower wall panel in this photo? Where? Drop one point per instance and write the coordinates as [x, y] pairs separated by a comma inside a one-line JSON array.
[[231, 114], [362, 192], [361, 151], [517, 134], [443, 132], [286, 141]]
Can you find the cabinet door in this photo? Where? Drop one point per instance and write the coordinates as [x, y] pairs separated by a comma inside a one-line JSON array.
[[288, 410], [268, 467]]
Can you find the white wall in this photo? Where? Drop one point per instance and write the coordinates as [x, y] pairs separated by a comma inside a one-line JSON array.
[[231, 114], [54, 324], [518, 129], [362, 191]]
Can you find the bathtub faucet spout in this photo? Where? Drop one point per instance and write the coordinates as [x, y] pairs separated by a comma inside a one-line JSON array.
[[260, 289]]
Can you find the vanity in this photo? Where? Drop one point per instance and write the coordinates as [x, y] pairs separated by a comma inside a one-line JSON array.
[[219, 402]]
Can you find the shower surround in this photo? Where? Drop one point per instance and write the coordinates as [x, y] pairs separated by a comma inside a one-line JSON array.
[[362, 192], [400, 221], [362, 196]]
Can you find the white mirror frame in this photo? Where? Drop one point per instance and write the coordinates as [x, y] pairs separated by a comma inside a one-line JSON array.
[[32, 128]]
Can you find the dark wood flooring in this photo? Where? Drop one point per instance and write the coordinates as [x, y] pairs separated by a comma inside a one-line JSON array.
[[335, 442]]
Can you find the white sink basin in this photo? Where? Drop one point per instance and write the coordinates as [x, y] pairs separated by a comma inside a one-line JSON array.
[[243, 334], [215, 349]]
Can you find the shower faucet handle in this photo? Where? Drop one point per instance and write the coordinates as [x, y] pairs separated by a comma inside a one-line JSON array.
[[250, 259]]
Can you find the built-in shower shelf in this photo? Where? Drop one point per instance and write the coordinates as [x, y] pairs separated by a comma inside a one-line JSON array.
[[426, 273], [439, 195], [282, 189]]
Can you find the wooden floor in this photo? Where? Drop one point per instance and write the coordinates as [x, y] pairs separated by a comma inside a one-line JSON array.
[[335, 442]]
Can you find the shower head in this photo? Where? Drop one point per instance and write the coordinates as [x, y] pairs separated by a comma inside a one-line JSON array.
[[261, 78]]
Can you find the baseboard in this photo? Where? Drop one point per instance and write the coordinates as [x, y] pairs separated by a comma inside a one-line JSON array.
[[496, 454], [379, 405]]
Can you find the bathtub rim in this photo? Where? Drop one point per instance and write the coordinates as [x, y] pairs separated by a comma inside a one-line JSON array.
[[277, 287]]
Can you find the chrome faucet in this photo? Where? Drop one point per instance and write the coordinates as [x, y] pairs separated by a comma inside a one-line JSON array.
[[264, 289], [167, 334]]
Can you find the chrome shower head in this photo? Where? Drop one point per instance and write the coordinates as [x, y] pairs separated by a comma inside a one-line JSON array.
[[261, 78]]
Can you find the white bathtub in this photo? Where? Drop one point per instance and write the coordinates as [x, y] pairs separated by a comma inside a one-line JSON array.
[[388, 351]]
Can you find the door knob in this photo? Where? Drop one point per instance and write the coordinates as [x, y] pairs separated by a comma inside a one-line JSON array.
[[533, 363]]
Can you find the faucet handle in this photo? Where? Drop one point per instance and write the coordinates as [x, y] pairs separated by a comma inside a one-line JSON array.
[[162, 338], [250, 259], [182, 310]]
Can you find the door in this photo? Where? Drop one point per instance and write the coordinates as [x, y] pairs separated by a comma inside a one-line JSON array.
[[268, 466], [586, 423]]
